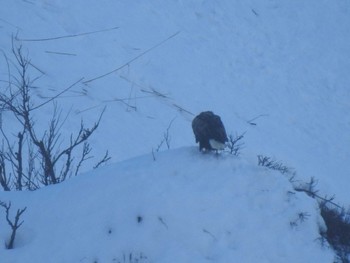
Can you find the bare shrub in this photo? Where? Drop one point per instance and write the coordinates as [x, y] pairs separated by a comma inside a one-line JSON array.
[[14, 224], [33, 158], [235, 144]]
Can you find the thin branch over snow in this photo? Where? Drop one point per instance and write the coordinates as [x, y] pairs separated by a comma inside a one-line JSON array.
[[133, 59], [13, 224], [66, 36]]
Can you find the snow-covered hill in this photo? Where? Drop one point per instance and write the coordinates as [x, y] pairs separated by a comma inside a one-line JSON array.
[[280, 65], [184, 207], [277, 70]]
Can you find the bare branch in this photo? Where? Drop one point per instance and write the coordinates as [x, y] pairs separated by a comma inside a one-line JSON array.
[[275, 165], [57, 95], [181, 109], [132, 60], [13, 224], [251, 121], [166, 135], [235, 144], [83, 135], [19, 159], [85, 156], [4, 180], [44, 157], [60, 53], [105, 159], [66, 36]]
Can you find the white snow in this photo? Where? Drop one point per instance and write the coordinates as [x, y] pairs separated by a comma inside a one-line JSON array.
[[277, 70], [184, 207]]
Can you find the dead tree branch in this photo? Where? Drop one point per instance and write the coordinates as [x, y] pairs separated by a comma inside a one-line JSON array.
[[235, 144], [85, 156], [55, 164], [13, 224], [4, 179], [105, 159]]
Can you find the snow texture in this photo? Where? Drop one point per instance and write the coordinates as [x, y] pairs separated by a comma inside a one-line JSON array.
[[184, 207], [277, 70]]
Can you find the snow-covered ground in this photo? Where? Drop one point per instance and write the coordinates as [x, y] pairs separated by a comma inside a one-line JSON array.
[[277, 70], [183, 207]]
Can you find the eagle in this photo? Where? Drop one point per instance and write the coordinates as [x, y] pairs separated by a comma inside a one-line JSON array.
[[209, 131]]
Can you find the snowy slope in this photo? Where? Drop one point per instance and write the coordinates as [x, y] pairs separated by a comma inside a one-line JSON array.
[[183, 207], [277, 70], [283, 64]]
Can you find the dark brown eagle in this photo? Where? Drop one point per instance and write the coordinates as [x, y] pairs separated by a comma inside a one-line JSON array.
[[209, 131]]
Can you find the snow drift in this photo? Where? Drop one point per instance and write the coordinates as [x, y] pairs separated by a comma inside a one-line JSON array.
[[183, 207]]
